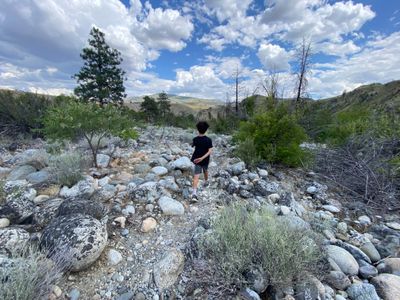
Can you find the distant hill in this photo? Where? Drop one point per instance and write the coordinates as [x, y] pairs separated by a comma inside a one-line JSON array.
[[179, 104]]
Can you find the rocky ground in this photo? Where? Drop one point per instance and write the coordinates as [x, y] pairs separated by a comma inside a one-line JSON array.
[[127, 226]]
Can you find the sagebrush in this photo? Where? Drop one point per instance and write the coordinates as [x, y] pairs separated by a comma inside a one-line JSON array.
[[241, 241], [29, 275]]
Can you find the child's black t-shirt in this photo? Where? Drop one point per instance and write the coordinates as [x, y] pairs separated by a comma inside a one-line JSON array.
[[201, 145]]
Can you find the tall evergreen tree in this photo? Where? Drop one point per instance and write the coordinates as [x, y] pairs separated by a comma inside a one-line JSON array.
[[164, 105], [150, 108], [100, 79]]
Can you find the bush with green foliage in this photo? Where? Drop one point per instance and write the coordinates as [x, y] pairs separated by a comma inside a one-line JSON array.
[[276, 136], [241, 241], [29, 275], [22, 112], [225, 124], [90, 121], [67, 168], [247, 151]]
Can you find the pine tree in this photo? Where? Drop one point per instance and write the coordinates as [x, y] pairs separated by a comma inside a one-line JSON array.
[[164, 105], [150, 108], [101, 79]]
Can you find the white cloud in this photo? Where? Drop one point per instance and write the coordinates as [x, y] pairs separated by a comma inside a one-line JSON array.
[[378, 62], [274, 57], [226, 9], [163, 29]]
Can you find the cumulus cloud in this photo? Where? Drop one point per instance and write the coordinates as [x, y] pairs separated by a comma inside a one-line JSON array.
[[274, 57]]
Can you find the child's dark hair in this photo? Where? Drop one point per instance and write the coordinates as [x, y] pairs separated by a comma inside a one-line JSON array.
[[202, 126]]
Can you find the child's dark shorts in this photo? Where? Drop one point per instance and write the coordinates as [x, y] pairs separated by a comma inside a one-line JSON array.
[[199, 169]]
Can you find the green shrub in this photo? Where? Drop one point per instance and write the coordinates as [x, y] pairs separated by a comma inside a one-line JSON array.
[[67, 168], [276, 135], [29, 275], [225, 125], [90, 121], [243, 240], [22, 112], [247, 151]]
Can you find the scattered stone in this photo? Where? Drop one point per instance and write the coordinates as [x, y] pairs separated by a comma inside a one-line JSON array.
[[393, 225], [105, 193], [19, 207], [20, 173], [263, 173], [40, 199], [362, 291], [257, 280], [368, 271], [273, 198], [342, 227], [390, 265], [331, 208], [4, 172], [160, 171], [57, 291], [338, 280], [46, 212], [39, 177], [103, 160], [114, 257], [263, 188], [364, 220], [312, 190], [127, 296], [121, 221], [83, 189], [129, 210], [369, 249], [13, 240], [248, 294], [310, 289], [74, 294], [148, 224], [284, 210], [343, 259], [79, 238], [4, 222], [167, 270], [182, 163], [170, 206], [238, 168], [124, 232], [387, 286]]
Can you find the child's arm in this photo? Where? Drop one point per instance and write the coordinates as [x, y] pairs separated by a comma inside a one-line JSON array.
[[197, 160]]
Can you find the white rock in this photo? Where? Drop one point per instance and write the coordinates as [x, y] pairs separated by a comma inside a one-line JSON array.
[[183, 163], [393, 225], [114, 257], [128, 210], [364, 220], [104, 181], [121, 221], [263, 173], [148, 224], [312, 190], [167, 270], [4, 222], [284, 210], [274, 197], [40, 199], [84, 188], [159, 171], [331, 208], [57, 291], [170, 206]]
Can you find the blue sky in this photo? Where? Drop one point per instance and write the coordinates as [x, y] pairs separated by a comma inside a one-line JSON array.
[[193, 48]]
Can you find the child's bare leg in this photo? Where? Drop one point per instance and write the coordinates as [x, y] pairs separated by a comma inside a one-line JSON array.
[[205, 175], [195, 182]]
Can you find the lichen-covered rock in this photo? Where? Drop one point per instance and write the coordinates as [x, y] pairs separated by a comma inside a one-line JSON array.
[[46, 212], [82, 206], [264, 188], [146, 192], [79, 238], [167, 270], [19, 206], [362, 291], [13, 239]]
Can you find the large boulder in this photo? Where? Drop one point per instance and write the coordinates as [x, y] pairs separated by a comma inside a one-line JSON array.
[[79, 238], [343, 259], [39, 177], [84, 188], [264, 188], [170, 206], [362, 291], [387, 286], [167, 270], [20, 173], [238, 168], [46, 212], [146, 192], [19, 206], [82, 206], [37, 158], [183, 163], [13, 239]]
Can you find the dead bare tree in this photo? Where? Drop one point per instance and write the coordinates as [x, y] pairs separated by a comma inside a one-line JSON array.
[[237, 75], [303, 68], [270, 84]]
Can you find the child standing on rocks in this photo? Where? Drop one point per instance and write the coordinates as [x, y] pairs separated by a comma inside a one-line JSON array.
[[201, 156]]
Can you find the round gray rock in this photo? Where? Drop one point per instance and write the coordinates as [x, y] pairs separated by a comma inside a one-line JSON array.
[[170, 206], [167, 270], [160, 171], [343, 259], [39, 177], [362, 291], [182, 163], [13, 239], [79, 238], [20, 173], [82, 206]]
